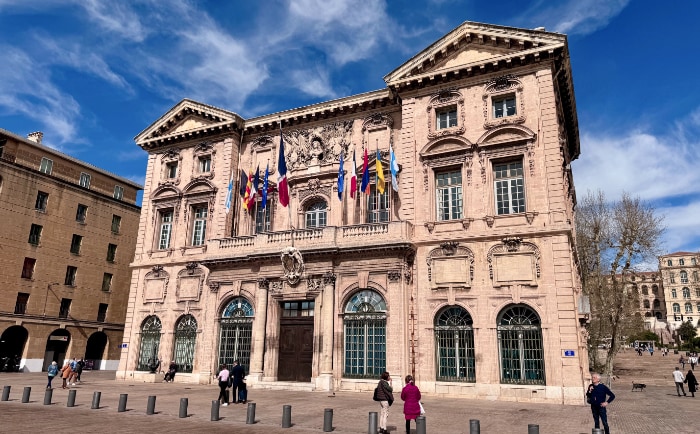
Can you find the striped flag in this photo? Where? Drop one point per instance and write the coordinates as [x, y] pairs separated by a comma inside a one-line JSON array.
[[394, 168], [353, 177], [365, 174], [229, 193], [380, 174], [341, 178], [282, 186]]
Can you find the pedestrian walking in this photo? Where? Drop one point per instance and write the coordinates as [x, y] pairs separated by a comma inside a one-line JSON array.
[[599, 396], [651, 350], [384, 394], [223, 377], [678, 378], [66, 372], [79, 365], [237, 374], [51, 372], [410, 394], [692, 383], [693, 359]]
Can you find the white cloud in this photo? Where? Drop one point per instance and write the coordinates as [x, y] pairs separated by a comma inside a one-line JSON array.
[[577, 16], [116, 18], [682, 231], [314, 83]]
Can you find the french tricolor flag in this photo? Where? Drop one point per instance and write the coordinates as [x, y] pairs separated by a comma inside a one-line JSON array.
[[282, 174], [353, 177]]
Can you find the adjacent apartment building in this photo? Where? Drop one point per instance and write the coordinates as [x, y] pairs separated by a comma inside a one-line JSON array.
[[461, 271], [680, 273], [67, 237]]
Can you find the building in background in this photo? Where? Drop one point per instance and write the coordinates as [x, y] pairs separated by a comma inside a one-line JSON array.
[[681, 281], [67, 236], [462, 272]]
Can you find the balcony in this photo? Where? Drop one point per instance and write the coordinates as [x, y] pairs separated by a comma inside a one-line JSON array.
[[363, 236]]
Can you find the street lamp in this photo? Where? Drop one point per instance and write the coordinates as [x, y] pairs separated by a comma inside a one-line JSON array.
[[46, 299]]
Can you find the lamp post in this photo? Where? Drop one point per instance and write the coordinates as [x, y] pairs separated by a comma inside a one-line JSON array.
[[46, 299]]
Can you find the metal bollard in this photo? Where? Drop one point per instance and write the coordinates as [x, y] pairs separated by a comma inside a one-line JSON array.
[[286, 416], [25, 394], [372, 428], [533, 429], [328, 420], [183, 407], [250, 416], [122, 402], [47, 396], [6, 393], [420, 425], [215, 410], [96, 400], [474, 427], [71, 398], [151, 406], [598, 431]]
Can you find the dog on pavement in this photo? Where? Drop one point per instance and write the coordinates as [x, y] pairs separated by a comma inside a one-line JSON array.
[[638, 386]]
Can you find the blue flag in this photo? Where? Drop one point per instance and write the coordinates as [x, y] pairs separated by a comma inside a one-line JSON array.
[[229, 193], [341, 178], [263, 202]]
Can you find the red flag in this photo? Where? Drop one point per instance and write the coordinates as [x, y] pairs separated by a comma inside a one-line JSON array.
[[353, 177]]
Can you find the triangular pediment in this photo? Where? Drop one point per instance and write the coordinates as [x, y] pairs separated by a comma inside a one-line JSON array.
[[473, 45], [187, 117]]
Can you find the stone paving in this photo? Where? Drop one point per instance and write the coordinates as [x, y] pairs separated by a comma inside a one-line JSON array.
[[656, 410]]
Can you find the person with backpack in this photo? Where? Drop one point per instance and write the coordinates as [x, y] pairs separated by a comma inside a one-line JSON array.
[[599, 396], [51, 372]]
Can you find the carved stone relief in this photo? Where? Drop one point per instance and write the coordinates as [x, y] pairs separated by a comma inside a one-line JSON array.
[[293, 264], [318, 145], [514, 260]]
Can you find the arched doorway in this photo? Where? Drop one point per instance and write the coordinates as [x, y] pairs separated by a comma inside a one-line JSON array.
[[95, 350], [56, 347], [12, 346]]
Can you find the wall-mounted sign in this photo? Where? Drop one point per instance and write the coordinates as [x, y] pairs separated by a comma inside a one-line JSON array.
[[569, 353]]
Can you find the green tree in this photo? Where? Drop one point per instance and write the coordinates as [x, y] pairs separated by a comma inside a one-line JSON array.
[[687, 332], [613, 239]]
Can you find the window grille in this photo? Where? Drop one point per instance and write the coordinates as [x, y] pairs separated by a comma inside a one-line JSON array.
[[185, 339], [150, 342], [365, 335], [520, 346], [454, 345], [236, 330]]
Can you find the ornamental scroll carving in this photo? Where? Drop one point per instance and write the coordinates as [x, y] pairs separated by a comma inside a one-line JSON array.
[[155, 285], [293, 264], [444, 100], [319, 145], [377, 121], [451, 265], [514, 260], [190, 282], [314, 188]]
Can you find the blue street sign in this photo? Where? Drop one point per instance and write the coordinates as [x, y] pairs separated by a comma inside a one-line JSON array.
[[569, 353]]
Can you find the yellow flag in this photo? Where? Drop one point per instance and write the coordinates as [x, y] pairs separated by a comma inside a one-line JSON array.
[[380, 175]]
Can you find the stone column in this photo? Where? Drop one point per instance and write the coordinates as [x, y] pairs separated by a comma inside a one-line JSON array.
[[255, 373], [325, 380]]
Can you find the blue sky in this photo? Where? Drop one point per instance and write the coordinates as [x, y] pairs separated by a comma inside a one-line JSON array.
[[92, 74]]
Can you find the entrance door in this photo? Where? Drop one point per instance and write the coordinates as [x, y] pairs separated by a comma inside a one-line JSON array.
[[56, 347], [296, 341]]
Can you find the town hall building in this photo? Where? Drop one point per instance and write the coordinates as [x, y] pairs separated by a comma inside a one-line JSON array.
[[461, 270]]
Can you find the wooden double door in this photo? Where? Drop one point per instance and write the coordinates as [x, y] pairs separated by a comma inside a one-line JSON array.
[[296, 349]]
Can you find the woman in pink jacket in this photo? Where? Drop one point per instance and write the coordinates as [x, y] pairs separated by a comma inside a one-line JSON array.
[[411, 398]]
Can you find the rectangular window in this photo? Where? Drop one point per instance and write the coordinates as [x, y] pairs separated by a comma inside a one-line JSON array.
[[21, 303], [672, 276], [166, 225], [106, 282], [35, 234], [447, 118], [504, 107], [695, 276], [111, 252], [70, 275], [28, 268], [116, 223], [681, 261], [509, 188], [75, 244], [262, 217], [669, 262], [41, 200], [118, 192], [65, 308], [205, 163], [46, 166], [199, 227], [378, 206], [448, 194], [102, 312], [81, 213], [171, 170], [85, 180]]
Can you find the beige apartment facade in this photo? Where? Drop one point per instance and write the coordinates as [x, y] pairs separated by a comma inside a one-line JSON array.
[[67, 238], [464, 275], [680, 273]]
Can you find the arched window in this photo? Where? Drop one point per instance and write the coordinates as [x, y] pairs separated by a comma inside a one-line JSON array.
[[676, 308], [681, 261], [520, 346], [236, 332], [365, 335], [688, 308], [656, 304], [674, 294], [646, 304], [655, 289], [658, 315], [686, 292], [316, 214], [185, 338], [684, 276], [693, 261], [454, 345], [645, 290], [150, 342]]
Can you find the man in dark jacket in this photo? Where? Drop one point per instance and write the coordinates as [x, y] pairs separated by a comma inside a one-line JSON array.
[[599, 396], [237, 374]]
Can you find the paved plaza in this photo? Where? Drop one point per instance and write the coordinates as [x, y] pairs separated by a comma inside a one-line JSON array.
[[656, 410]]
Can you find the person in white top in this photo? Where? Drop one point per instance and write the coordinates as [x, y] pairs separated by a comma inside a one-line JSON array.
[[679, 378], [223, 385]]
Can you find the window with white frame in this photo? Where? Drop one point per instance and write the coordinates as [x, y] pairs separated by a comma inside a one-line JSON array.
[[84, 180], [676, 308], [448, 195], [686, 292], [378, 205], [204, 164], [684, 276], [446, 117], [674, 294], [199, 225], [672, 276], [315, 214], [263, 217], [46, 166], [681, 261], [509, 187], [688, 308], [504, 106], [693, 261], [165, 230], [695, 276], [118, 192]]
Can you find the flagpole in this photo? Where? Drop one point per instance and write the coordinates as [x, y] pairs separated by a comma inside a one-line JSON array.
[[234, 226]]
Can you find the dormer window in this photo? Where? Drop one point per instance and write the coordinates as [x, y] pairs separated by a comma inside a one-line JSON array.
[[85, 180], [205, 164], [504, 106], [446, 118]]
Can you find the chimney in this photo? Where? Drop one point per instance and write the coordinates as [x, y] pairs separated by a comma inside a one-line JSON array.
[[35, 136]]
